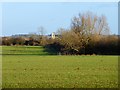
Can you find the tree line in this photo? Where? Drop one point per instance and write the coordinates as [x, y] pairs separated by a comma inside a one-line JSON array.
[[34, 40], [88, 34]]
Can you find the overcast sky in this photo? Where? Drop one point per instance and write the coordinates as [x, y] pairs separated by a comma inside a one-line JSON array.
[[26, 17]]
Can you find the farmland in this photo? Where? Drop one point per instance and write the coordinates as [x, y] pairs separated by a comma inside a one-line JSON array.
[[24, 50], [33, 67]]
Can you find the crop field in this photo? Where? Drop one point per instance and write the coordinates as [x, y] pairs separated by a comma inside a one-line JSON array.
[[32, 67], [24, 50]]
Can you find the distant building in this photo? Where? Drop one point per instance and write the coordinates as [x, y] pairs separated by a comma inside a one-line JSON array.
[[53, 35]]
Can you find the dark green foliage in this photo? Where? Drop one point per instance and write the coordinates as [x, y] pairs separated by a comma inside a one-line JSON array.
[[54, 48]]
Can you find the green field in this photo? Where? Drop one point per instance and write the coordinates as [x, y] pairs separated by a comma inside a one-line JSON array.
[[31, 67], [24, 50]]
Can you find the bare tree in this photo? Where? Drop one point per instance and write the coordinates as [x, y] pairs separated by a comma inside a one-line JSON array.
[[42, 37], [41, 31], [71, 41], [82, 30], [102, 26], [87, 23]]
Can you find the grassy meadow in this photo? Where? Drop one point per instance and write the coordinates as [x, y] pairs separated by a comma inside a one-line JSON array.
[[24, 50], [33, 67]]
